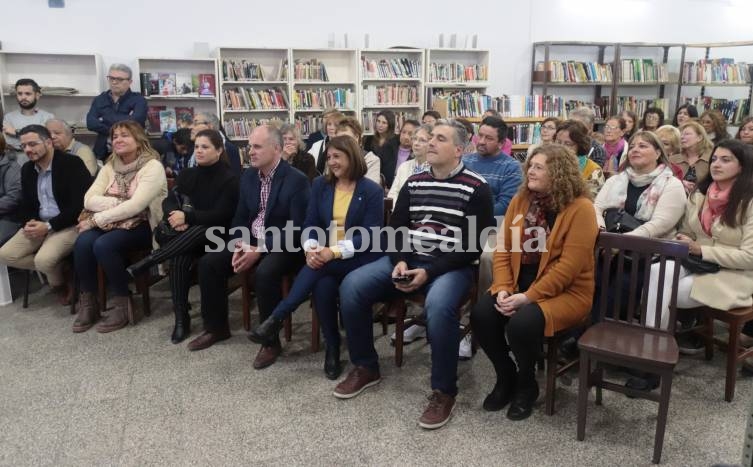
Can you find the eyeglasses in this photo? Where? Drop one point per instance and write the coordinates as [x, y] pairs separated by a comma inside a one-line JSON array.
[[611, 128], [115, 79], [31, 144]]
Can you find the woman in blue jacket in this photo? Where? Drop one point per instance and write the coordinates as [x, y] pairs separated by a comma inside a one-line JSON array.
[[355, 205]]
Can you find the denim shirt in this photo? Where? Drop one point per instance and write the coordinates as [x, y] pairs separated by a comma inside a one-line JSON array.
[[104, 112], [48, 207]]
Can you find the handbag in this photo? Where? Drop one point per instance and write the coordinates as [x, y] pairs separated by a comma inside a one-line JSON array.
[[617, 220], [696, 265]]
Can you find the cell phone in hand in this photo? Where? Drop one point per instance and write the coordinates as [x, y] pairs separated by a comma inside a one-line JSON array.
[[401, 279]]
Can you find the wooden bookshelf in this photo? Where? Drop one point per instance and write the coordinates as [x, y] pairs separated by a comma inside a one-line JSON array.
[[441, 62], [391, 79]]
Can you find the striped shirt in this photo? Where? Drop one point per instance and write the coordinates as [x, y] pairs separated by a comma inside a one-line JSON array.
[[257, 225]]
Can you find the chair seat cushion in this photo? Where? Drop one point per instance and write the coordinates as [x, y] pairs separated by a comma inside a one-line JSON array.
[[630, 343]]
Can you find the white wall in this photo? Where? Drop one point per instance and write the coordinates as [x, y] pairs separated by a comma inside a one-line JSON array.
[[122, 30]]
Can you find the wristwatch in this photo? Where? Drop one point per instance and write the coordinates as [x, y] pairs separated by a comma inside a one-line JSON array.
[[49, 227]]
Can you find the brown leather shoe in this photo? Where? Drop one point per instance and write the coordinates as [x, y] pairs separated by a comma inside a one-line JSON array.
[[357, 380], [64, 294], [438, 412], [117, 317], [267, 355], [88, 312], [207, 339]]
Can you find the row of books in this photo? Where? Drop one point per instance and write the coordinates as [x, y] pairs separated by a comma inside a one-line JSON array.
[[339, 98], [639, 106], [462, 103], [643, 70], [234, 70], [457, 72], [241, 98], [368, 120], [733, 110], [576, 72], [540, 106], [720, 71], [241, 128], [392, 69], [524, 133], [160, 119], [178, 84], [309, 70], [308, 124], [394, 94]]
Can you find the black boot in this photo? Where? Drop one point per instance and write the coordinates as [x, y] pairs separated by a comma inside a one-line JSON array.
[[332, 365], [526, 393], [140, 267], [266, 331], [507, 375], [182, 327]]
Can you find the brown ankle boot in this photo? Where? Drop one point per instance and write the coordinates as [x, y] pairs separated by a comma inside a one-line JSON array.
[[117, 317], [88, 312]]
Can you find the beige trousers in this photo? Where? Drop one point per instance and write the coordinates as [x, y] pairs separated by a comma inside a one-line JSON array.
[[44, 255]]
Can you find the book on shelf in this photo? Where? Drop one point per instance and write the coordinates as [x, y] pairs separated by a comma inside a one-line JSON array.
[[307, 124], [461, 103], [734, 110], [152, 118], [368, 118], [391, 94], [207, 85], [394, 68], [167, 121], [238, 128], [339, 98], [643, 70], [241, 98], [639, 106], [184, 114], [184, 85], [457, 72], [309, 70], [716, 71], [529, 106], [576, 72], [242, 70], [167, 84], [524, 133], [282, 70]]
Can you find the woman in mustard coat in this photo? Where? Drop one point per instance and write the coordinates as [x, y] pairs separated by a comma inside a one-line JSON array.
[[543, 275]]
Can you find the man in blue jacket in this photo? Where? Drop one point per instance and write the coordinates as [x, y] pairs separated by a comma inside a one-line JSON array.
[[273, 198], [115, 105]]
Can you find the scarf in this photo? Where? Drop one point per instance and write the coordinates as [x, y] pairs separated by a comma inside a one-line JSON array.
[[614, 151], [582, 161], [716, 203], [536, 217], [125, 173], [657, 179]]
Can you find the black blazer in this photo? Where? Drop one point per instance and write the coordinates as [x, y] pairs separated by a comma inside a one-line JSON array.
[[70, 180], [388, 155], [288, 198]]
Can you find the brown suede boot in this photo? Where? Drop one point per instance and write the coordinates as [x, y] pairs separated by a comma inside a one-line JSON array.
[[88, 312], [117, 317]]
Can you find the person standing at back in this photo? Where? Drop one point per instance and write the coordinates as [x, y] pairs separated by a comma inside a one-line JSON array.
[[27, 93]]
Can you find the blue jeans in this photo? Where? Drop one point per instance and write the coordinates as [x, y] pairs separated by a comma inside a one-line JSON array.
[[444, 295], [108, 249]]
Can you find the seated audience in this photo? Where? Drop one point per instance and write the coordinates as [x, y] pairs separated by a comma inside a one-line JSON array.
[[507, 146], [695, 154], [548, 130], [614, 144], [574, 135], [715, 125], [745, 131], [384, 130], [121, 208], [653, 118], [10, 194], [204, 196], [528, 300], [345, 197], [318, 149], [273, 197], [430, 117], [62, 140], [210, 121], [684, 113], [349, 126], [415, 164], [442, 271], [631, 122], [293, 151], [53, 184], [396, 151], [585, 115], [670, 140]]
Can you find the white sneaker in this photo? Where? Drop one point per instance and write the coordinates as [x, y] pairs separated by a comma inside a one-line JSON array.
[[410, 334], [465, 350]]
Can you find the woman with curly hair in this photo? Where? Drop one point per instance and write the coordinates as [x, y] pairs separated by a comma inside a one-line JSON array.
[[715, 125], [544, 288]]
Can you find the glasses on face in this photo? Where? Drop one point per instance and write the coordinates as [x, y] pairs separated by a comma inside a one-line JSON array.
[[115, 79], [420, 140], [31, 144], [611, 128]]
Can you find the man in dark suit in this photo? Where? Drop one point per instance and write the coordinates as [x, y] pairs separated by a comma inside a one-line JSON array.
[[273, 196], [53, 185]]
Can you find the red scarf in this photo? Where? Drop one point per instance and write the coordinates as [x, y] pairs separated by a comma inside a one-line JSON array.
[[716, 203], [535, 217], [614, 149]]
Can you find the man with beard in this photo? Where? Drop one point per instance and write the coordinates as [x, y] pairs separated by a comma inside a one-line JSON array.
[[28, 93]]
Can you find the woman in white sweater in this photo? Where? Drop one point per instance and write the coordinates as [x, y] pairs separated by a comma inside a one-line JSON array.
[[121, 208]]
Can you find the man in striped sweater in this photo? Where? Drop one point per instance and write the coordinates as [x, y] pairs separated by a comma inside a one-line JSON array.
[[438, 219]]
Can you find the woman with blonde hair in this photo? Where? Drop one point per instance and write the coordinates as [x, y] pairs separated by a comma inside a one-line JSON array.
[[121, 208], [541, 290], [695, 154]]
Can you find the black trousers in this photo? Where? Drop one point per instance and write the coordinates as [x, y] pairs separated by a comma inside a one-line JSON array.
[[182, 252], [216, 268], [524, 331]]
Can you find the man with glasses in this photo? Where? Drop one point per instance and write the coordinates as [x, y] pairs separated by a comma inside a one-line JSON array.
[[27, 93], [53, 185], [117, 104]]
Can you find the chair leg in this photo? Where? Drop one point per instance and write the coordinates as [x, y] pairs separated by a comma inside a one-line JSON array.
[[288, 326], [314, 330], [143, 284], [102, 289], [661, 422], [583, 390], [599, 379], [732, 352], [400, 310], [246, 296], [27, 283], [385, 319], [551, 374], [708, 338]]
